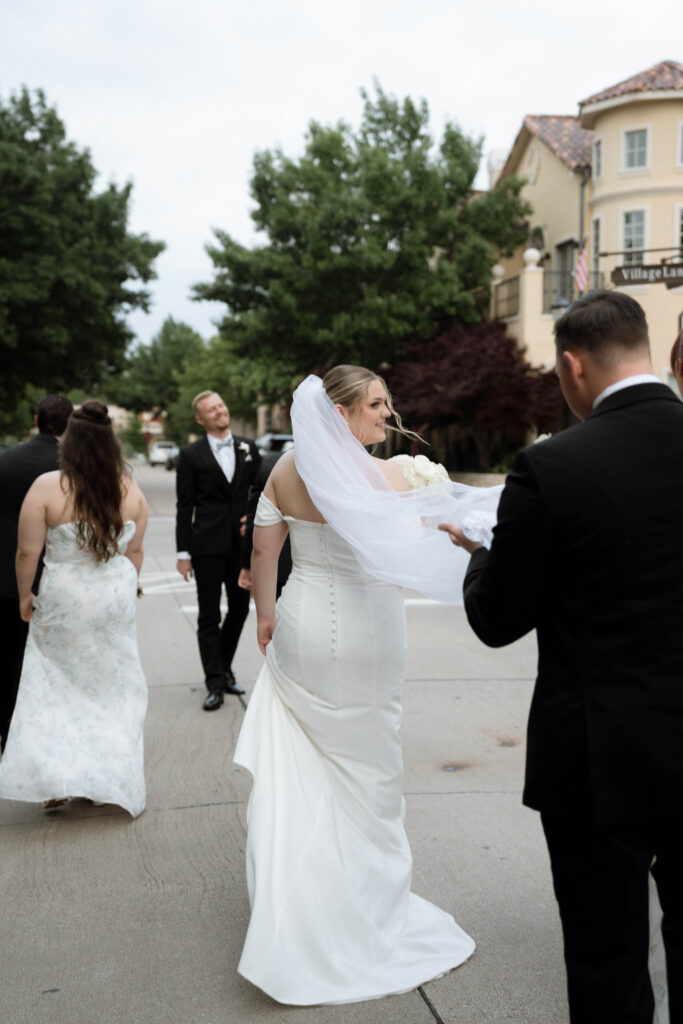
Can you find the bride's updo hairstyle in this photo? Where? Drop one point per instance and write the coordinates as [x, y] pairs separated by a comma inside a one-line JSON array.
[[347, 386], [93, 469]]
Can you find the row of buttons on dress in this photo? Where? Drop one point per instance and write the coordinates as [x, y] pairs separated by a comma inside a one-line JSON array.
[[333, 597]]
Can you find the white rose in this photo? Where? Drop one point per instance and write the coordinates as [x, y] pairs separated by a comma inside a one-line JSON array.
[[407, 466], [430, 472]]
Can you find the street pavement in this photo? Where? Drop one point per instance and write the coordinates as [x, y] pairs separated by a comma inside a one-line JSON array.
[[106, 919]]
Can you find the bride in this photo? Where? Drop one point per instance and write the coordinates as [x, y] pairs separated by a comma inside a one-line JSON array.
[[77, 725], [333, 919]]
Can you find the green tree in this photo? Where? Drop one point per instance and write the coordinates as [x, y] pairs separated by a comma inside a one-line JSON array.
[[132, 438], [243, 383], [150, 381], [373, 238], [69, 268]]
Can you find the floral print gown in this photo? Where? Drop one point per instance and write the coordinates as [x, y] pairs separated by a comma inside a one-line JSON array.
[[77, 726]]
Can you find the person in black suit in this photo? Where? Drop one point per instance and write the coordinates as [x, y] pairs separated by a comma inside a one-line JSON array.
[[284, 563], [19, 467], [213, 479], [677, 361], [588, 550]]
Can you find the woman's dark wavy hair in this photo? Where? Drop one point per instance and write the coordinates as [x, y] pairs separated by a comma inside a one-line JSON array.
[[92, 468]]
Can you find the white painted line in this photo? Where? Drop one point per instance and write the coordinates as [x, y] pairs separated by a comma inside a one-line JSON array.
[[193, 609]]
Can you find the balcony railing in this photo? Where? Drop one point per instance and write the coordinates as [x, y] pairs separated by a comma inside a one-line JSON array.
[[560, 284], [507, 298]]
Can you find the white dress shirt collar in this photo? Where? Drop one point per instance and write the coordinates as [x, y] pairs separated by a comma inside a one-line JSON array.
[[626, 382], [215, 441]]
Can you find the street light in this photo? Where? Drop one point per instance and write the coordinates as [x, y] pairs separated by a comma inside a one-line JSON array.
[[560, 305]]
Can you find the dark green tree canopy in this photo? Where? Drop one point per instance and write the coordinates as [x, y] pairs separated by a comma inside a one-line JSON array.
[[69, 268], [150, 380], [373, 238]]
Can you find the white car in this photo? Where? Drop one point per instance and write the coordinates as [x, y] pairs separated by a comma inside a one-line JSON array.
[[161, 452]]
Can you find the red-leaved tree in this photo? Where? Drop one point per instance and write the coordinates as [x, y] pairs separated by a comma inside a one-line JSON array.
[[478, 378]]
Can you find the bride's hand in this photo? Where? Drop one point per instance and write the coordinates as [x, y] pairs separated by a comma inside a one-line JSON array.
[[265, 627], [459, 538], [26, 608]]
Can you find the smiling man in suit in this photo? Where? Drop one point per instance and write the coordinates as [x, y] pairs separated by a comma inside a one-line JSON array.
[[588, 550], [214, 475]]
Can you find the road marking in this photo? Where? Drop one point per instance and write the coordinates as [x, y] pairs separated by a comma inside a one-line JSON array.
[[193, 609], [155, 583]]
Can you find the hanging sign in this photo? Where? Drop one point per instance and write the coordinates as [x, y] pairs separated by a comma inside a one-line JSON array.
[[670, 274]]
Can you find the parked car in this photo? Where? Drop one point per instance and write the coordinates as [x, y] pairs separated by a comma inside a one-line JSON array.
[[161, 452], [274, 442]]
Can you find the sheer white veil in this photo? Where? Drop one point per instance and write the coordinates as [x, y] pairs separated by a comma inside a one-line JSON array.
[[388, 531]]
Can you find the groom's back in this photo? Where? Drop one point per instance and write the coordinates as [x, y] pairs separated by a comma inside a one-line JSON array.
[[607, 715], [588, 550]]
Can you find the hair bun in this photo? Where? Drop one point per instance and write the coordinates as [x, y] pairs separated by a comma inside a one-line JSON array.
[[93, 412]]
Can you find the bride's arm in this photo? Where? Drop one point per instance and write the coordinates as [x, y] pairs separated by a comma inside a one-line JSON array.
[[268, 541], [30, 542], [136, 508]]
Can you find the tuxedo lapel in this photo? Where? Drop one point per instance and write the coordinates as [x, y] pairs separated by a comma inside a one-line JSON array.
[[239, 458]]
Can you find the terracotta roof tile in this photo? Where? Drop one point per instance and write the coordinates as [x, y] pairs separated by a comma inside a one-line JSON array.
[[564, 136], [664, 76]]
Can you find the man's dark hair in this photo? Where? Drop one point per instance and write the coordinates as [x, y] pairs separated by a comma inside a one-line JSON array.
[[52, 414], [601, 321]]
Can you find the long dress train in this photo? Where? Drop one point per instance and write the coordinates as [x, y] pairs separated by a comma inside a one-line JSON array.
[[77, 726], [328, 862]]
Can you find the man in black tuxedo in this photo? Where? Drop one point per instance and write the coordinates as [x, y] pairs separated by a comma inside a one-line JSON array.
[[213, 480], [19, 467], [588, 550]]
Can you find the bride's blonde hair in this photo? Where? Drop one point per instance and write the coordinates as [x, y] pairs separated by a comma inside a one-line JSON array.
[[347, 385]]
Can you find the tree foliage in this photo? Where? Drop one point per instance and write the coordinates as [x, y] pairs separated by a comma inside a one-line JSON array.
[[478, 378], [151, 380], [242, 383], [69, 268], [372, 238]]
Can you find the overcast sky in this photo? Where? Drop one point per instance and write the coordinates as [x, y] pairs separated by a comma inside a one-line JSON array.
[[178, 95]]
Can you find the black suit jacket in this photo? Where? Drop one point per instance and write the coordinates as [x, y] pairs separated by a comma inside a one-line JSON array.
[[284, 565], [19, 467], [588, 550], [208, 508]]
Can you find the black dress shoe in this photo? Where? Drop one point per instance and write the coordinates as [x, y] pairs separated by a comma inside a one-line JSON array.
[[230, 684], [213, 701]]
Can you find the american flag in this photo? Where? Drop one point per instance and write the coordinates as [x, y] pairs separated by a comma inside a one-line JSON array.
[[581, 272]]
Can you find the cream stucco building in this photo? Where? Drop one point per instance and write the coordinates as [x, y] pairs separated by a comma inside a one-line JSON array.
[[612, 178]]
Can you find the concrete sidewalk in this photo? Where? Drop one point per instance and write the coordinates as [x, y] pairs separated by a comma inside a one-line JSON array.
[[105, 919]]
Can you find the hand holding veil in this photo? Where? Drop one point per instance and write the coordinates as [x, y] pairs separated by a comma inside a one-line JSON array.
[[386, 529]]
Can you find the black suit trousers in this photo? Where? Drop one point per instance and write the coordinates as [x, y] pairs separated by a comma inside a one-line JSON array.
[[13, 632], [600, 875], [218, 643]]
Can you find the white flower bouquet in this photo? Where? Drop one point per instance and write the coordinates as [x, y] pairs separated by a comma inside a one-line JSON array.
[[420, 471]]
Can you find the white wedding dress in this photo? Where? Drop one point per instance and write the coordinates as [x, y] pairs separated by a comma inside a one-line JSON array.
[[77, 726], [333, 919]]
